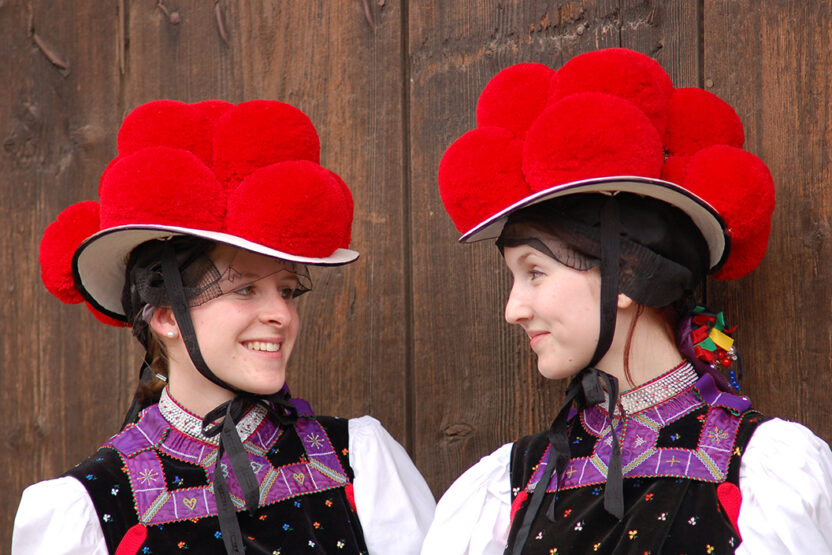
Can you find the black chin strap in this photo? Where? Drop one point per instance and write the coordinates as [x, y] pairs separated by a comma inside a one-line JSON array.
[[231, 412], [585, 390]]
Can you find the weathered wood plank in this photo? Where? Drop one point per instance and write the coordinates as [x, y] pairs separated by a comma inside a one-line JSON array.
[[59, 106], [778, 81]]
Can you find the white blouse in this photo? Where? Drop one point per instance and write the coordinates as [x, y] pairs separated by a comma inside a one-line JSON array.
[[394, 504], [785, 480]]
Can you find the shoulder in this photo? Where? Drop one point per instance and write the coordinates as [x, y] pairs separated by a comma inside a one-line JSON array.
[[780, 445], [473, 516], [785, 478], [371, 446], [57, 516], [393, 501]]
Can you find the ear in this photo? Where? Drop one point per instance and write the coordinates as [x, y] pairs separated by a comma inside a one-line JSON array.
[[163, 321], [624, 302]]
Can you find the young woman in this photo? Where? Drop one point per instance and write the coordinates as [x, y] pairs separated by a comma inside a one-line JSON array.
[[611, 195], [207, 220]]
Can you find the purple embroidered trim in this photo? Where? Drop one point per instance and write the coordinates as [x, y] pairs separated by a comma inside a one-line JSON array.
[[156, 504], [639, 433]]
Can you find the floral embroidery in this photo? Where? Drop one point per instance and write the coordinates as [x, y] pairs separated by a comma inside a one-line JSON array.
[[314, 440], [632, 534], [717, 435], [148, 476]]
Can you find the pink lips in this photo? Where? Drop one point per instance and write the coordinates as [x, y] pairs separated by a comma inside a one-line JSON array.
[[536, 337]]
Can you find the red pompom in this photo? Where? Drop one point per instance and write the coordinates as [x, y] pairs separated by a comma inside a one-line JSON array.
[[258, 133], [620, 72], [213, 109], [346, 233], [104, 319], [740, 187], [480, 174], [167, 123], [296, 207], [60, 240], [675, 168], [590, 135], [162, 185], [698, 119], [515, 97]]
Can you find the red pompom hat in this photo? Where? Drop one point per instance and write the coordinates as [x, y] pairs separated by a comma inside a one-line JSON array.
[[610, 121], [246, 175]]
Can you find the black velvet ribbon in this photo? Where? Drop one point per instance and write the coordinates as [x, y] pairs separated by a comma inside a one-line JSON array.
[[231, 412], [585, 389]]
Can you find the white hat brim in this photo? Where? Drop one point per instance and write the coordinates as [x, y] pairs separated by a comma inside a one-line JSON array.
[[100, 262], [703, 215]]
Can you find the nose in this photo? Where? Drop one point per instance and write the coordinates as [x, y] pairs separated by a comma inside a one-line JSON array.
[[517, 306], [277, 310]]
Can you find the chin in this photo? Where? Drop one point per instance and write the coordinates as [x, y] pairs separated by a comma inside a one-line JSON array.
[[264, 387], [557, 371]]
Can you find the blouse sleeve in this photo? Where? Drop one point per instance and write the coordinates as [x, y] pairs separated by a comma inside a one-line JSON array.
[[57, 517], [393, 501], [473, 516], [786, 485]]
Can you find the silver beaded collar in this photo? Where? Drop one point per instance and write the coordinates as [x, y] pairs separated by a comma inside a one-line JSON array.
[[190, 424], [656, 391]]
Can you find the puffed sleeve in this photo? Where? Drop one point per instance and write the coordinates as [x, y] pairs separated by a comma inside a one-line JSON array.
[[393, 501], [786, 486], [474, 515], [57, 517]]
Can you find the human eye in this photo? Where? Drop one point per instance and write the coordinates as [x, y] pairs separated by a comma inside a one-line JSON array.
[[289, 290], [534, 273], [245, 290]]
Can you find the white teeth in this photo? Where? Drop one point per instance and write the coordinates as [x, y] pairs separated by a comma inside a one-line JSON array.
[[263, 346]]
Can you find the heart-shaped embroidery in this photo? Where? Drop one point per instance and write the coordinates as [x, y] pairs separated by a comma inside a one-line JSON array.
[[189, 502], [299, 477], [256, 466]]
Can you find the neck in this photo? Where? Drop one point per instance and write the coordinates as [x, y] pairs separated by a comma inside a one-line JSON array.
[[191, 389], [652, 347]]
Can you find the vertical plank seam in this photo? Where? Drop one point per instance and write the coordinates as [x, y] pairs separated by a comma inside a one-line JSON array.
[[407, 229], [700, 43]]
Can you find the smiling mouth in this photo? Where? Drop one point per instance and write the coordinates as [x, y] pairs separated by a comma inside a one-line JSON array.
[[266, 346]]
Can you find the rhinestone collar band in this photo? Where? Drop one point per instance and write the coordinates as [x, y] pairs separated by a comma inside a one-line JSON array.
[[658, 390], [190, 424]]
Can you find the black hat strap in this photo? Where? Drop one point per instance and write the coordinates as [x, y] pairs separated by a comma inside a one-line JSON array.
[[610, 263], [585, 390]]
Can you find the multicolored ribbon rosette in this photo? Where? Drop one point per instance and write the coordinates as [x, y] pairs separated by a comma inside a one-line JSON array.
[[712, 342]]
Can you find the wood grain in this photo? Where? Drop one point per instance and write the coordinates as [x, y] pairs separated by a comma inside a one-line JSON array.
[[56, 125], [778, 80]]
